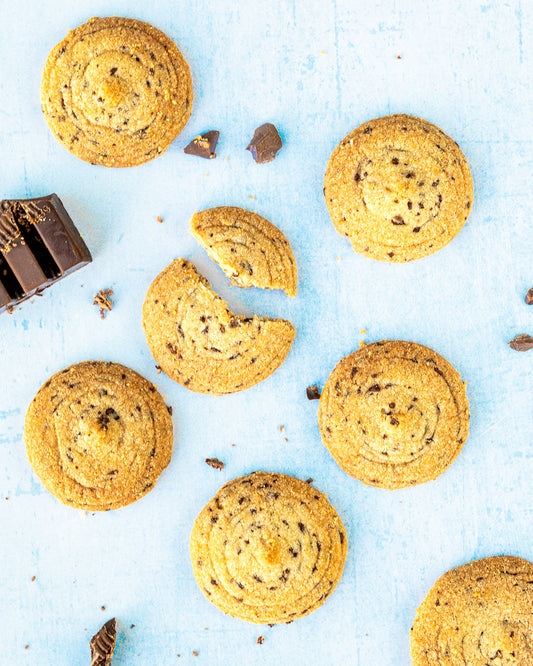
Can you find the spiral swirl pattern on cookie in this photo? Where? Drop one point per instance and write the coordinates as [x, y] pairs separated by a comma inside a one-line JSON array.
[[98, 435], [399, 188], [116, 92], [249, 249], [200, 343], [478, 614], [268, 548], [394, 414]]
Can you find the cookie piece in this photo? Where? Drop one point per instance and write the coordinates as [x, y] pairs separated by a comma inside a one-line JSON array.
[[399, 188], [98, 435], [116, 92], [249, 249], [200, 343], [394, 414], [477, 614], [268, 548]]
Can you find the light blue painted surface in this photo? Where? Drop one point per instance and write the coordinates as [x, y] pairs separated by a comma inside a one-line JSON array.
[[316, 69]]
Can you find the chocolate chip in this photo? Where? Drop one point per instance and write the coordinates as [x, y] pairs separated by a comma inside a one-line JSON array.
[[529, 296], [522, 342], [215, 463], [265, 144], [398, 220], [312, 392], [203, 145]]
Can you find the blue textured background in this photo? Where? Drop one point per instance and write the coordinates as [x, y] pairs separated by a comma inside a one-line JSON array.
[[316, 69]]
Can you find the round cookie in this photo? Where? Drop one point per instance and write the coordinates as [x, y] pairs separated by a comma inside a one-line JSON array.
[[198, 342], [98, 435], [268, 548], [249, 249], [394, 414], [398, 188], [479, 614], [116, 92]]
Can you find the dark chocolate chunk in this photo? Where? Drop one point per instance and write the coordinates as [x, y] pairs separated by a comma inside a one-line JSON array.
[[529, 296], [103, 301], [203, 145], [39, 245], [265, 144], [102, 644], [522, 342], [215, 463], [312, 392]]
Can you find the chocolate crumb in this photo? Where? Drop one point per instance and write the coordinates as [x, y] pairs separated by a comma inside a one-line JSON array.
[[102, 607], [132, 626], [169, 408], [522, 342], [260, 640], [312, 392], [203, 145], [159, 369], [159, 219], [265, 144], [26, 647], [309, 480], [103, 301], [215, 463], [398, 57], [529, 296], [102, 644]]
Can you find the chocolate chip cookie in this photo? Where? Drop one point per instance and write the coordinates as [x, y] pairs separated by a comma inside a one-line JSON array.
[[479, 614], [394, 414], [200, 343], [98, 435], [249, 249], [268, 548], [398, 188], [116, 92]]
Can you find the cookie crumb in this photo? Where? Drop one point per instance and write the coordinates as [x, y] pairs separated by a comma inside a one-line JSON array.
[[282, 428], [26, 647], [362, 344], [194, 653], [260, 640], [312, 392], [32, 578], [399, 57], [363, 331], [10, 309], [102, 608], [159, 219], [215, 463], [159, 369], [103, 301]]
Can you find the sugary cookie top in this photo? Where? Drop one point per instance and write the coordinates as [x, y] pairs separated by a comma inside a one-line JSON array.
[[116, 91], [200, 343], [394, 414], [477, 614], [399, 188], [268, 548], [98, 435]]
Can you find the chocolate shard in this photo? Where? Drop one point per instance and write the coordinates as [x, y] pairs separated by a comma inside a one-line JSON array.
[[265, 144], [102, 644], [312, 392], [529, 297], [522, 342], [215, 463], [39, 245], [203, 145]]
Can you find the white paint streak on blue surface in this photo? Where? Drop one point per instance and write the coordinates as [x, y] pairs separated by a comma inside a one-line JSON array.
[[316, 69]]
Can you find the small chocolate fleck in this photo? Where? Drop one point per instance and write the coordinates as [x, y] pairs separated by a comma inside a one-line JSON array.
[[265, 144], [203, 145], [522, 342], [312, 392], [260, 640], [103, 301], [215, 463]]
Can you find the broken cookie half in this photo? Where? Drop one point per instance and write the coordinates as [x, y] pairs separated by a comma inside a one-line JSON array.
[[200, 343], [249, 249]]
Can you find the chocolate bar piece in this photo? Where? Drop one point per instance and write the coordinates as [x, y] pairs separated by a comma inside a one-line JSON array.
[[203, 145], [39, 245], [265, 144]]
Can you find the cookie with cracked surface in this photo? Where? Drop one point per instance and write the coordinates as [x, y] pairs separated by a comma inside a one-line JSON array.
[[477, 614], [249, 249], [398, 188], [268, 548], [394, 414], [197, 341], [98, 435], [116, 92]]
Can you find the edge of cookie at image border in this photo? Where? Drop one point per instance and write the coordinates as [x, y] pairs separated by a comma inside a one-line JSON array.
[[334, 195], [63, 127], [212, 518], [44, 457], [381, 474]]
